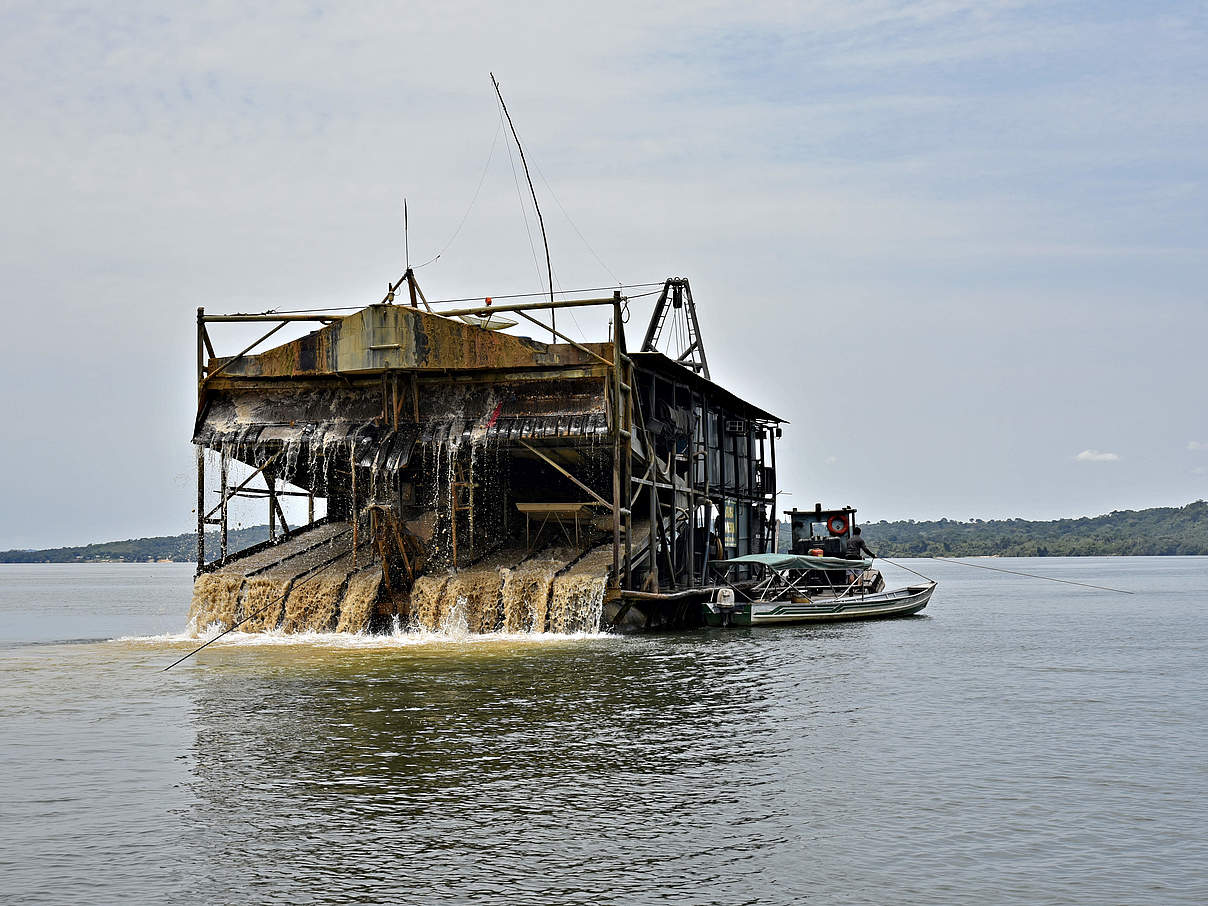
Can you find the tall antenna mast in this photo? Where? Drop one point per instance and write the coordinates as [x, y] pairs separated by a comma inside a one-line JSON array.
[[406, 235], [540, 220]]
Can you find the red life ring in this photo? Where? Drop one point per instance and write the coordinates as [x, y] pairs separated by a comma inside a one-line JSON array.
[[837, 525]]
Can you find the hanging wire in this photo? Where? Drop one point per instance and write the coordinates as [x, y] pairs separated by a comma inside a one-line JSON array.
[[561, 292], [1015, 572], [520, 197], [574, 226], [473, 201]]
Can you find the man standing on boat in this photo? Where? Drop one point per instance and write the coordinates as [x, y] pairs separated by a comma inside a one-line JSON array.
[[857, 549]]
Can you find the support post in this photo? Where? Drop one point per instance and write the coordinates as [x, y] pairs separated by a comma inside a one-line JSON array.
[[352, 465], [616, 443], [223, 470], [271, 481], [201, 507]]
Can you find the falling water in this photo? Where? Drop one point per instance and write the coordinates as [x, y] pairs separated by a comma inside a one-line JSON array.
[[427, 595], [360, 596], [312, 603], [215, 601], [525, 596], [296, 586], [263, 603], [577, 601], [527, 587]]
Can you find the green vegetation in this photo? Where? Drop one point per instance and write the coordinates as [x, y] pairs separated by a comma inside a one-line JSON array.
[[179, 548], [1161, 531]]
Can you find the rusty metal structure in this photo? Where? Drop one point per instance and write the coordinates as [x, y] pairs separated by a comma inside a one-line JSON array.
[[433, 438]]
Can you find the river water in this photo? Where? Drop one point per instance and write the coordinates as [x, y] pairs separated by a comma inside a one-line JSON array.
[[1020, 742]]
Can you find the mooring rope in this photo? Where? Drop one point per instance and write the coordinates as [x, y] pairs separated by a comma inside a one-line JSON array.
[[259, 610], [1014, 572], [907, 568]]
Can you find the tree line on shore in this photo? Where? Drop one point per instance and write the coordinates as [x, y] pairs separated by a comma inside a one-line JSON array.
[[1159, 531], [177, 548]]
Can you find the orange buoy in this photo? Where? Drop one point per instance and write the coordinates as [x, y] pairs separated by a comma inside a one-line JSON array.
[[837, 525]]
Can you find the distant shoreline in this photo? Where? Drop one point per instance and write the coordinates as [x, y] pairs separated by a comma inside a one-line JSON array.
[[1156, 532]]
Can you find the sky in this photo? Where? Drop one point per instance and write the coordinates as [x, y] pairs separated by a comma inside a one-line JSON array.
[[959, 246]]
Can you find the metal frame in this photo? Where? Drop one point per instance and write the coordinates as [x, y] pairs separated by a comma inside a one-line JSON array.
[[677, 476]]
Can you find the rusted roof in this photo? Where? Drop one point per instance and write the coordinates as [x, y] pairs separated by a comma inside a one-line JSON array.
[[673, 370]]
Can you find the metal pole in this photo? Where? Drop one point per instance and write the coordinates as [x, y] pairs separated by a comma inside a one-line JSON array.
[[692, 491], [201, 508], [271, 480], [224, 468], [352, 464], [201, 456], [616, 445]]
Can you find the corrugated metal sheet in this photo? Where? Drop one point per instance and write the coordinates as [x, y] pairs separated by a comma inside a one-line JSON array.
[[348, 422]]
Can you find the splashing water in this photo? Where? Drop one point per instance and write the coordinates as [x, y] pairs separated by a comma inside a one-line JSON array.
[[312, 605], [215, 601], [577, 600], [360, 596], [427, 596]]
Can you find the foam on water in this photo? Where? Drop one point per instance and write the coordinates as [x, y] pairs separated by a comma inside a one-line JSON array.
[[356, 640]]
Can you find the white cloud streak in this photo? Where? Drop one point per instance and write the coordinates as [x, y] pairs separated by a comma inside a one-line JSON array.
[[1096, 456]]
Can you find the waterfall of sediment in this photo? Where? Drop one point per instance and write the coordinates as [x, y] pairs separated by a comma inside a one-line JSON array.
[[526, 590], [577, 598], [535, 595], [360, 596], [426, 596], [309, 583], [314, 599], [466, 600], [215, 601]]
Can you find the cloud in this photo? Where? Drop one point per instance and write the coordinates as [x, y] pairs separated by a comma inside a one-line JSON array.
[[1196, 445], [831, 460], [1200, 470], [1096, 456]]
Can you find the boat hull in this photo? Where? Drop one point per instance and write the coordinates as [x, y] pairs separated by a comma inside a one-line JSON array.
[[900, 602]]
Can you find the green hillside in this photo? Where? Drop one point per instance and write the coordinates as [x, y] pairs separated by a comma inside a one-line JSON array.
[[182, 548], [1160, 531]]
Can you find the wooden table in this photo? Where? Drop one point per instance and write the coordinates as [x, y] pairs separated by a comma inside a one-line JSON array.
[[561, 513]]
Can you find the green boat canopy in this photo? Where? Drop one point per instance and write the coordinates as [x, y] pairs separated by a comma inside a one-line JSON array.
[[794, 561]]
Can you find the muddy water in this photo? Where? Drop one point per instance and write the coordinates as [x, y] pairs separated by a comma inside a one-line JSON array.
[[314, 603], [511, 593], [525, 595], [427, 601], [263, 601], [360, 596], [1017, 743], [577, 599], [215, 601]]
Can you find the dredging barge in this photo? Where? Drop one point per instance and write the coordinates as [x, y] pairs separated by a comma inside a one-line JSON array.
[[475, 476]]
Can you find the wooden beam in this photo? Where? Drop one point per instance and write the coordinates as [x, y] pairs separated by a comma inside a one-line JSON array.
[[580, 484]]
